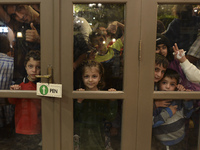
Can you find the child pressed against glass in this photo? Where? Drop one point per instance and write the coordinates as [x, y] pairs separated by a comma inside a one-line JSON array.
[[90, 114], [28, 111], [169, 122], [163, 47]]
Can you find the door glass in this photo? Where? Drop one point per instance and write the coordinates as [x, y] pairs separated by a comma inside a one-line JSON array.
[[20, 118], [99, 36], [175, 125], [20, 123], [176, 122], [97, 124]]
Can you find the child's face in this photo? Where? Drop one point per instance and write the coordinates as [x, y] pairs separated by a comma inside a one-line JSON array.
[[33, 68], [168, 84], [99, 43], [91, 78], [159, 72], [161, 49]]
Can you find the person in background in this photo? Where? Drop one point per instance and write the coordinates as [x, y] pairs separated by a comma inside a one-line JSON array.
[[6, 77], [183, 30]]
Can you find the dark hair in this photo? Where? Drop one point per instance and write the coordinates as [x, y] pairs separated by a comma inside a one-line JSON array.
[[95, 34], [35, 54], [160, 26], [172, 74], [183, 12], [161, 39], [92, 63], [161, 60], [4, 44]]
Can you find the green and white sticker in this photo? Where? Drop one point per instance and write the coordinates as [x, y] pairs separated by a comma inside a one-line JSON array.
[[50, 90]]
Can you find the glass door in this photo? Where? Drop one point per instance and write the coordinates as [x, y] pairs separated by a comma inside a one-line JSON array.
[[168, 116], [95, 35], [27, 49]]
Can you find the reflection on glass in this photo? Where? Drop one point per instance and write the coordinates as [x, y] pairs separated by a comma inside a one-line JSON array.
[[97, 124], [20, 119], [175, 125], [99, 36]]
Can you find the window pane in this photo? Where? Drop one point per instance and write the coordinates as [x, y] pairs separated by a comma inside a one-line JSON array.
[[20, 123], [175, 125], [97, 124], [99, 36], [20, 119], [178, 32]]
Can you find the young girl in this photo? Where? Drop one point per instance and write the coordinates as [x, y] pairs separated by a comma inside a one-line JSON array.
[[163, 48], [90, 115]]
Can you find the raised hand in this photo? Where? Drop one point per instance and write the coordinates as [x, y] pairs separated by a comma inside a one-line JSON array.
[[179, 54], [32, 34]]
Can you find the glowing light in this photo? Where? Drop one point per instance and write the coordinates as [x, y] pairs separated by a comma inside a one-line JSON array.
[[113, 40], [94, 18], [104, 42], [91, 5], [99, 5], [3, 29], [195, 10], [19, 35]]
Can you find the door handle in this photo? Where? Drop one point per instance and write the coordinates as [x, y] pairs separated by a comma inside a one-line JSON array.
[[48, 76]]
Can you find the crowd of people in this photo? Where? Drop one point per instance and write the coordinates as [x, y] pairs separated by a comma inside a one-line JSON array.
[[98, 65], [176, 48]]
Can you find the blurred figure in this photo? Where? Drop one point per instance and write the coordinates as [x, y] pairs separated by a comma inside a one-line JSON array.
[[6, 76]]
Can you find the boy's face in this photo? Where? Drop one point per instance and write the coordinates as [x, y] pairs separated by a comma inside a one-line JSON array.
[[168, 84], [33, 68], [99, 43], [161, 49], [159, 72]]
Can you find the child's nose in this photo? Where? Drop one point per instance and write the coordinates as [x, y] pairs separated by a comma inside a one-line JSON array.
[[34, 69], [167, 86]]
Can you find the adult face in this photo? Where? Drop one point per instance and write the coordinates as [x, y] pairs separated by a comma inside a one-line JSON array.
[[24, 14]]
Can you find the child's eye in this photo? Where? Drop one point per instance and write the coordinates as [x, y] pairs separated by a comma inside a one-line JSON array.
[[163, 72], [94, 76], [172, 84], [30, 66], [86, 76], [38, 67], [156, 69], [164, 47], [164, 82]]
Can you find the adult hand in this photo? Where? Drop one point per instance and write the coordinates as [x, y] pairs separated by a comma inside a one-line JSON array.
[[112, 27], [32, 34]]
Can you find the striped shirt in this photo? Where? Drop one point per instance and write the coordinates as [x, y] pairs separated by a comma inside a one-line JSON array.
[[6, 71]]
